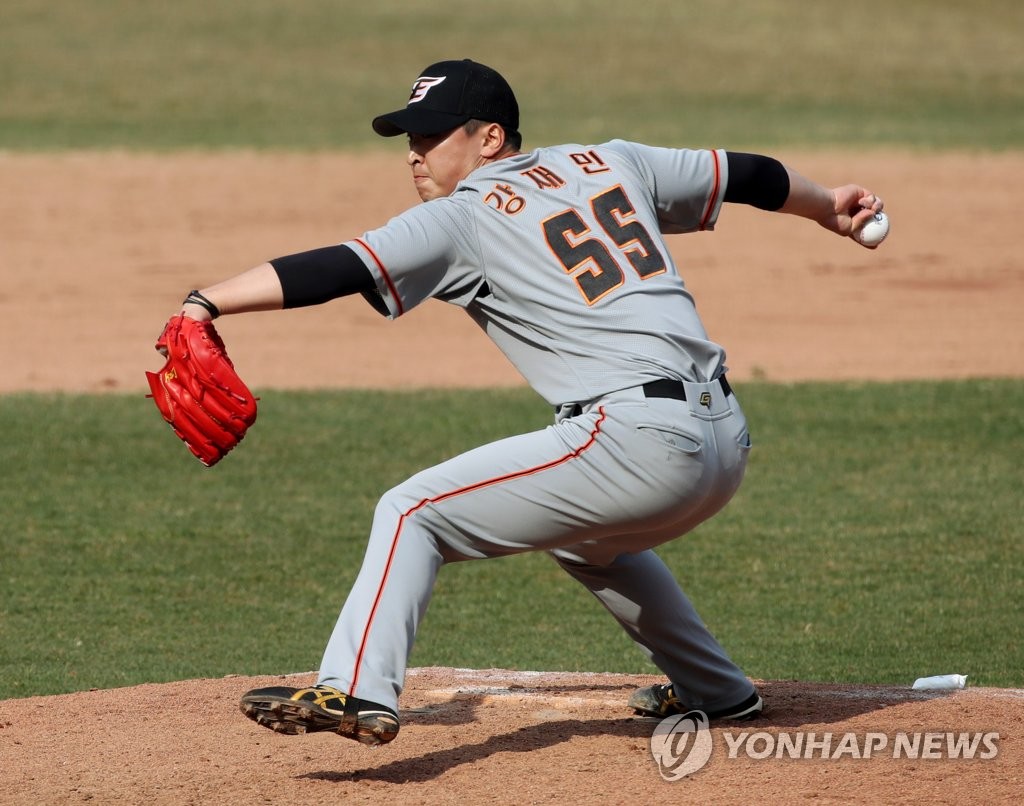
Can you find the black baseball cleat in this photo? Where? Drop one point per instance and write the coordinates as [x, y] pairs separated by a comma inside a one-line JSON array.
[[307, 710], [661, 701]]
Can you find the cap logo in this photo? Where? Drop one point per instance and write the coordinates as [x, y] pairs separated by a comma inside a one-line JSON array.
[[422, 86]]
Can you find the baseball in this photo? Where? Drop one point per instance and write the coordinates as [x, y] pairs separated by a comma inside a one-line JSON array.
[[874, 232]]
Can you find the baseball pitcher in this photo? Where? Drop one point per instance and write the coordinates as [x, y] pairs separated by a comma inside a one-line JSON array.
[[559, 255]]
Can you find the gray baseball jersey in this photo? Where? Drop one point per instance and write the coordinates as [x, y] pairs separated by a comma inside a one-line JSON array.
[[582, 300], [558, 255]]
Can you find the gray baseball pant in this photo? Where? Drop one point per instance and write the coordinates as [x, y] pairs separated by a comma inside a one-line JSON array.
[[598, 489]]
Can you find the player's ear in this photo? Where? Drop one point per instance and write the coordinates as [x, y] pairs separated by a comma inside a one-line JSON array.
[[492, 142]]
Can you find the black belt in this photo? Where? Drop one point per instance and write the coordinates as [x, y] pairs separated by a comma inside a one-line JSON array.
[[664, 387], [676, 390]]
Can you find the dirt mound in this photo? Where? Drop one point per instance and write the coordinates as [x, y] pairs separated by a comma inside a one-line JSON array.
[[497, 736]]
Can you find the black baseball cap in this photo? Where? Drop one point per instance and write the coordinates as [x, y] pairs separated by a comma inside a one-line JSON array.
[[448, 94]]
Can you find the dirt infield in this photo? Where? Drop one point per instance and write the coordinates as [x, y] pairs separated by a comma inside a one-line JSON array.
[[97, 250], [118, 239]]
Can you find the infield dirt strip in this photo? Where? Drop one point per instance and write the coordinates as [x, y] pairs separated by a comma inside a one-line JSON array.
[[97, 250]]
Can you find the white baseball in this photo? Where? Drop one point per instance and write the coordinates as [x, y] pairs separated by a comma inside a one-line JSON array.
[[874, 232]]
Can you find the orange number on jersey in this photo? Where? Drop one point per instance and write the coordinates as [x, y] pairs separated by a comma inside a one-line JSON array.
[[567, 236]]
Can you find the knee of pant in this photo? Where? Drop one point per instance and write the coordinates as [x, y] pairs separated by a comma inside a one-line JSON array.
[[402, 503], [395, 503]]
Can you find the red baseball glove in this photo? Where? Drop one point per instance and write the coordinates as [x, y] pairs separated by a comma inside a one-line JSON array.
[[198, 391]]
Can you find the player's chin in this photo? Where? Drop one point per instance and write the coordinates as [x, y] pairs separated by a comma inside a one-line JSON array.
[[423, 189], [427, 190]]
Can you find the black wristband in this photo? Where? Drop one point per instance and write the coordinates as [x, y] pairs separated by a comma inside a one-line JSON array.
[[198, 299]]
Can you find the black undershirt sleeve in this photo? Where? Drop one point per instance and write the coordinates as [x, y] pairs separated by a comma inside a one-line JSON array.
[[320, 275], [755, 180]]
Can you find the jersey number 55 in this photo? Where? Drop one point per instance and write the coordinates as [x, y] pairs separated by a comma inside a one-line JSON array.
[[585, 254]]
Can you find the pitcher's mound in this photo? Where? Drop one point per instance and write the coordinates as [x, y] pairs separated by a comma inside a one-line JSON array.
[[498, 736]]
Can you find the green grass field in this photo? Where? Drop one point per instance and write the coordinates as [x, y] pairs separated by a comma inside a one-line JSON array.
[[876, 539], [311, 73]]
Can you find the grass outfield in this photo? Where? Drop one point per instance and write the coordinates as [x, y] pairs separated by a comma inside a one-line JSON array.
[[876, 539], [311, 73]]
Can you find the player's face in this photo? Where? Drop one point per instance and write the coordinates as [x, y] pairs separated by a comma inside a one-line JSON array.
[[441, 161]]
